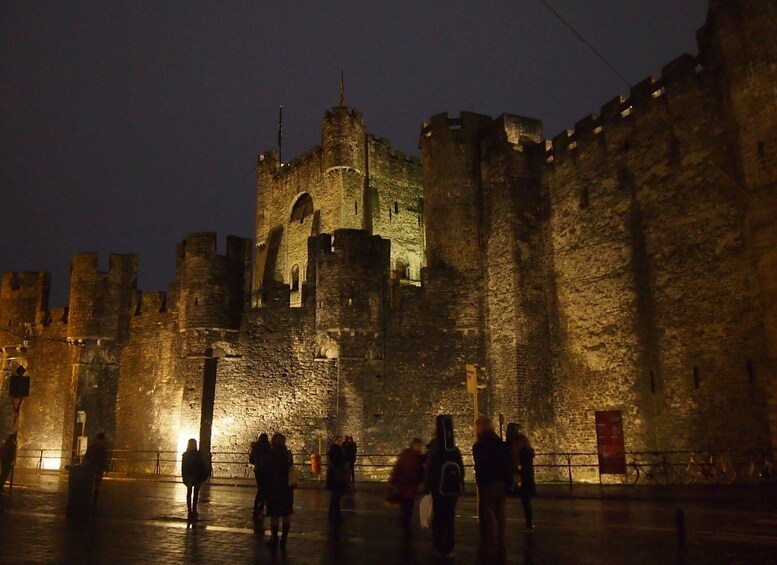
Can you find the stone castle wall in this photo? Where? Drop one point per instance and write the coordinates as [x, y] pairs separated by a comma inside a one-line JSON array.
[[626, 264]]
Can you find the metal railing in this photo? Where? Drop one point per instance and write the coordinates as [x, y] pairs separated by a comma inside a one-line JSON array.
[[750, 465]]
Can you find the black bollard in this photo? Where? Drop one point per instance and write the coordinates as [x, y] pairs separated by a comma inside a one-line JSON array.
[[680, 521]]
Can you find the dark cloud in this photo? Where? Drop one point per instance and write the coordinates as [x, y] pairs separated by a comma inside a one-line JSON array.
[[127, 125]]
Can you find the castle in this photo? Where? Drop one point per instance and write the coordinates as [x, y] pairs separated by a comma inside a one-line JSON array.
[[629, 263]]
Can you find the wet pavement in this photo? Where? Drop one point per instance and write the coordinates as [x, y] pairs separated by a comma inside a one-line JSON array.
[[144, 522]]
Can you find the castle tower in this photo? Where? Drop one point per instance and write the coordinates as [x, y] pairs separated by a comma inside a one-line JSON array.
[[344, 141], [98, 322], [352, 293], [212, 291], [23, 297], [516, 325], [450, 149], [211, 287], [738, 44]]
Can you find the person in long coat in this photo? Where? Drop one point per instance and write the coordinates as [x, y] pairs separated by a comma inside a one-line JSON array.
[[194, 472], [445, 482], [7, 459], [260, 450], [280, 493], [522, 462], [337, 477], [97, 456], [406, 476]]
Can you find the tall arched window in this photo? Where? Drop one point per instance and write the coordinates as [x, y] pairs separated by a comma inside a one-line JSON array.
[[302, 208], [295, 278]]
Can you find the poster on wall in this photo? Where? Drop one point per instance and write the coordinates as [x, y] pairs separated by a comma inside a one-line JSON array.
[[609, 442]]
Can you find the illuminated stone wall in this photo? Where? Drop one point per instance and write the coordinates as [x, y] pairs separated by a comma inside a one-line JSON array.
[[626, 264], [655, 311], [739, 43]]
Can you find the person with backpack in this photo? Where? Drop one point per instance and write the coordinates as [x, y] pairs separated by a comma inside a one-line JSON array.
[[194, 471], [445, 482], [260, 449], [493, 476]]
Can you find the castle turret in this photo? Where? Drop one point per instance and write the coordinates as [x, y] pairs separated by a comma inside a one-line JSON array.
[[450, 149], [23, 297], [738, 44], [351, 288], [100, 302], [344, 141], [211, 287]]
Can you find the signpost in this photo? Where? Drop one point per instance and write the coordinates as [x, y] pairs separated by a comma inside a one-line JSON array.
[[472, 388], [610, 443], [18, 390]]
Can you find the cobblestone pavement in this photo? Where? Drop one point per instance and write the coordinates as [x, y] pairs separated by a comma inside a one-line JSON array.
[[143, 522]]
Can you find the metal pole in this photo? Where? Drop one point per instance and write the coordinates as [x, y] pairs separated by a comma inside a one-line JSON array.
[[475, 433]]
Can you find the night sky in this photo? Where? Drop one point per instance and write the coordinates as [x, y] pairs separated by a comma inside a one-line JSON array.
[[126, 125]]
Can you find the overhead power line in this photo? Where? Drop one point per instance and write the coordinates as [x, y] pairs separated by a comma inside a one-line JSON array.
[[588, 44]]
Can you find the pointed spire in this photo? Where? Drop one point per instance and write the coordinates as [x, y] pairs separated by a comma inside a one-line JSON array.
[[342, 87]]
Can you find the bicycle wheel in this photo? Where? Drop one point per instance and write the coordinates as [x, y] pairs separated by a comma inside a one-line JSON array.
[[724, 473], [687, 474], [632, 474], [663, 473]]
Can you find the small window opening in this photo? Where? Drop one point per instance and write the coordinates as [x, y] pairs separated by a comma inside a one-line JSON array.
[[396, 207], [295, 278], [196, 301], [355, 208], [762, 151], [674, 148], [652, 382], [390, 216], [750, 372], [584, 198], [696, 377]]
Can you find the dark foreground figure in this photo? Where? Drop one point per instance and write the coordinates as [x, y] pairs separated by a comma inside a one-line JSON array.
[[407, 474], [280, 493], [194, 472], [7, 458], [492, 474], [445, 482], [337, 477], [258, 457]]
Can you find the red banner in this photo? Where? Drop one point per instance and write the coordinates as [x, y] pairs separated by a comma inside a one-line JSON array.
[[609, 442]]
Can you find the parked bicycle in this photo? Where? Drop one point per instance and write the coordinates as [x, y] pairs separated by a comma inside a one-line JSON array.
[[761, 470], [659, 470], [716, 470]]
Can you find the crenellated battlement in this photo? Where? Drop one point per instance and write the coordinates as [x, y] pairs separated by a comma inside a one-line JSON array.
[[382, 147], [268, 163], [623, 112], [468, 125], [149, 303], [100, 301]]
